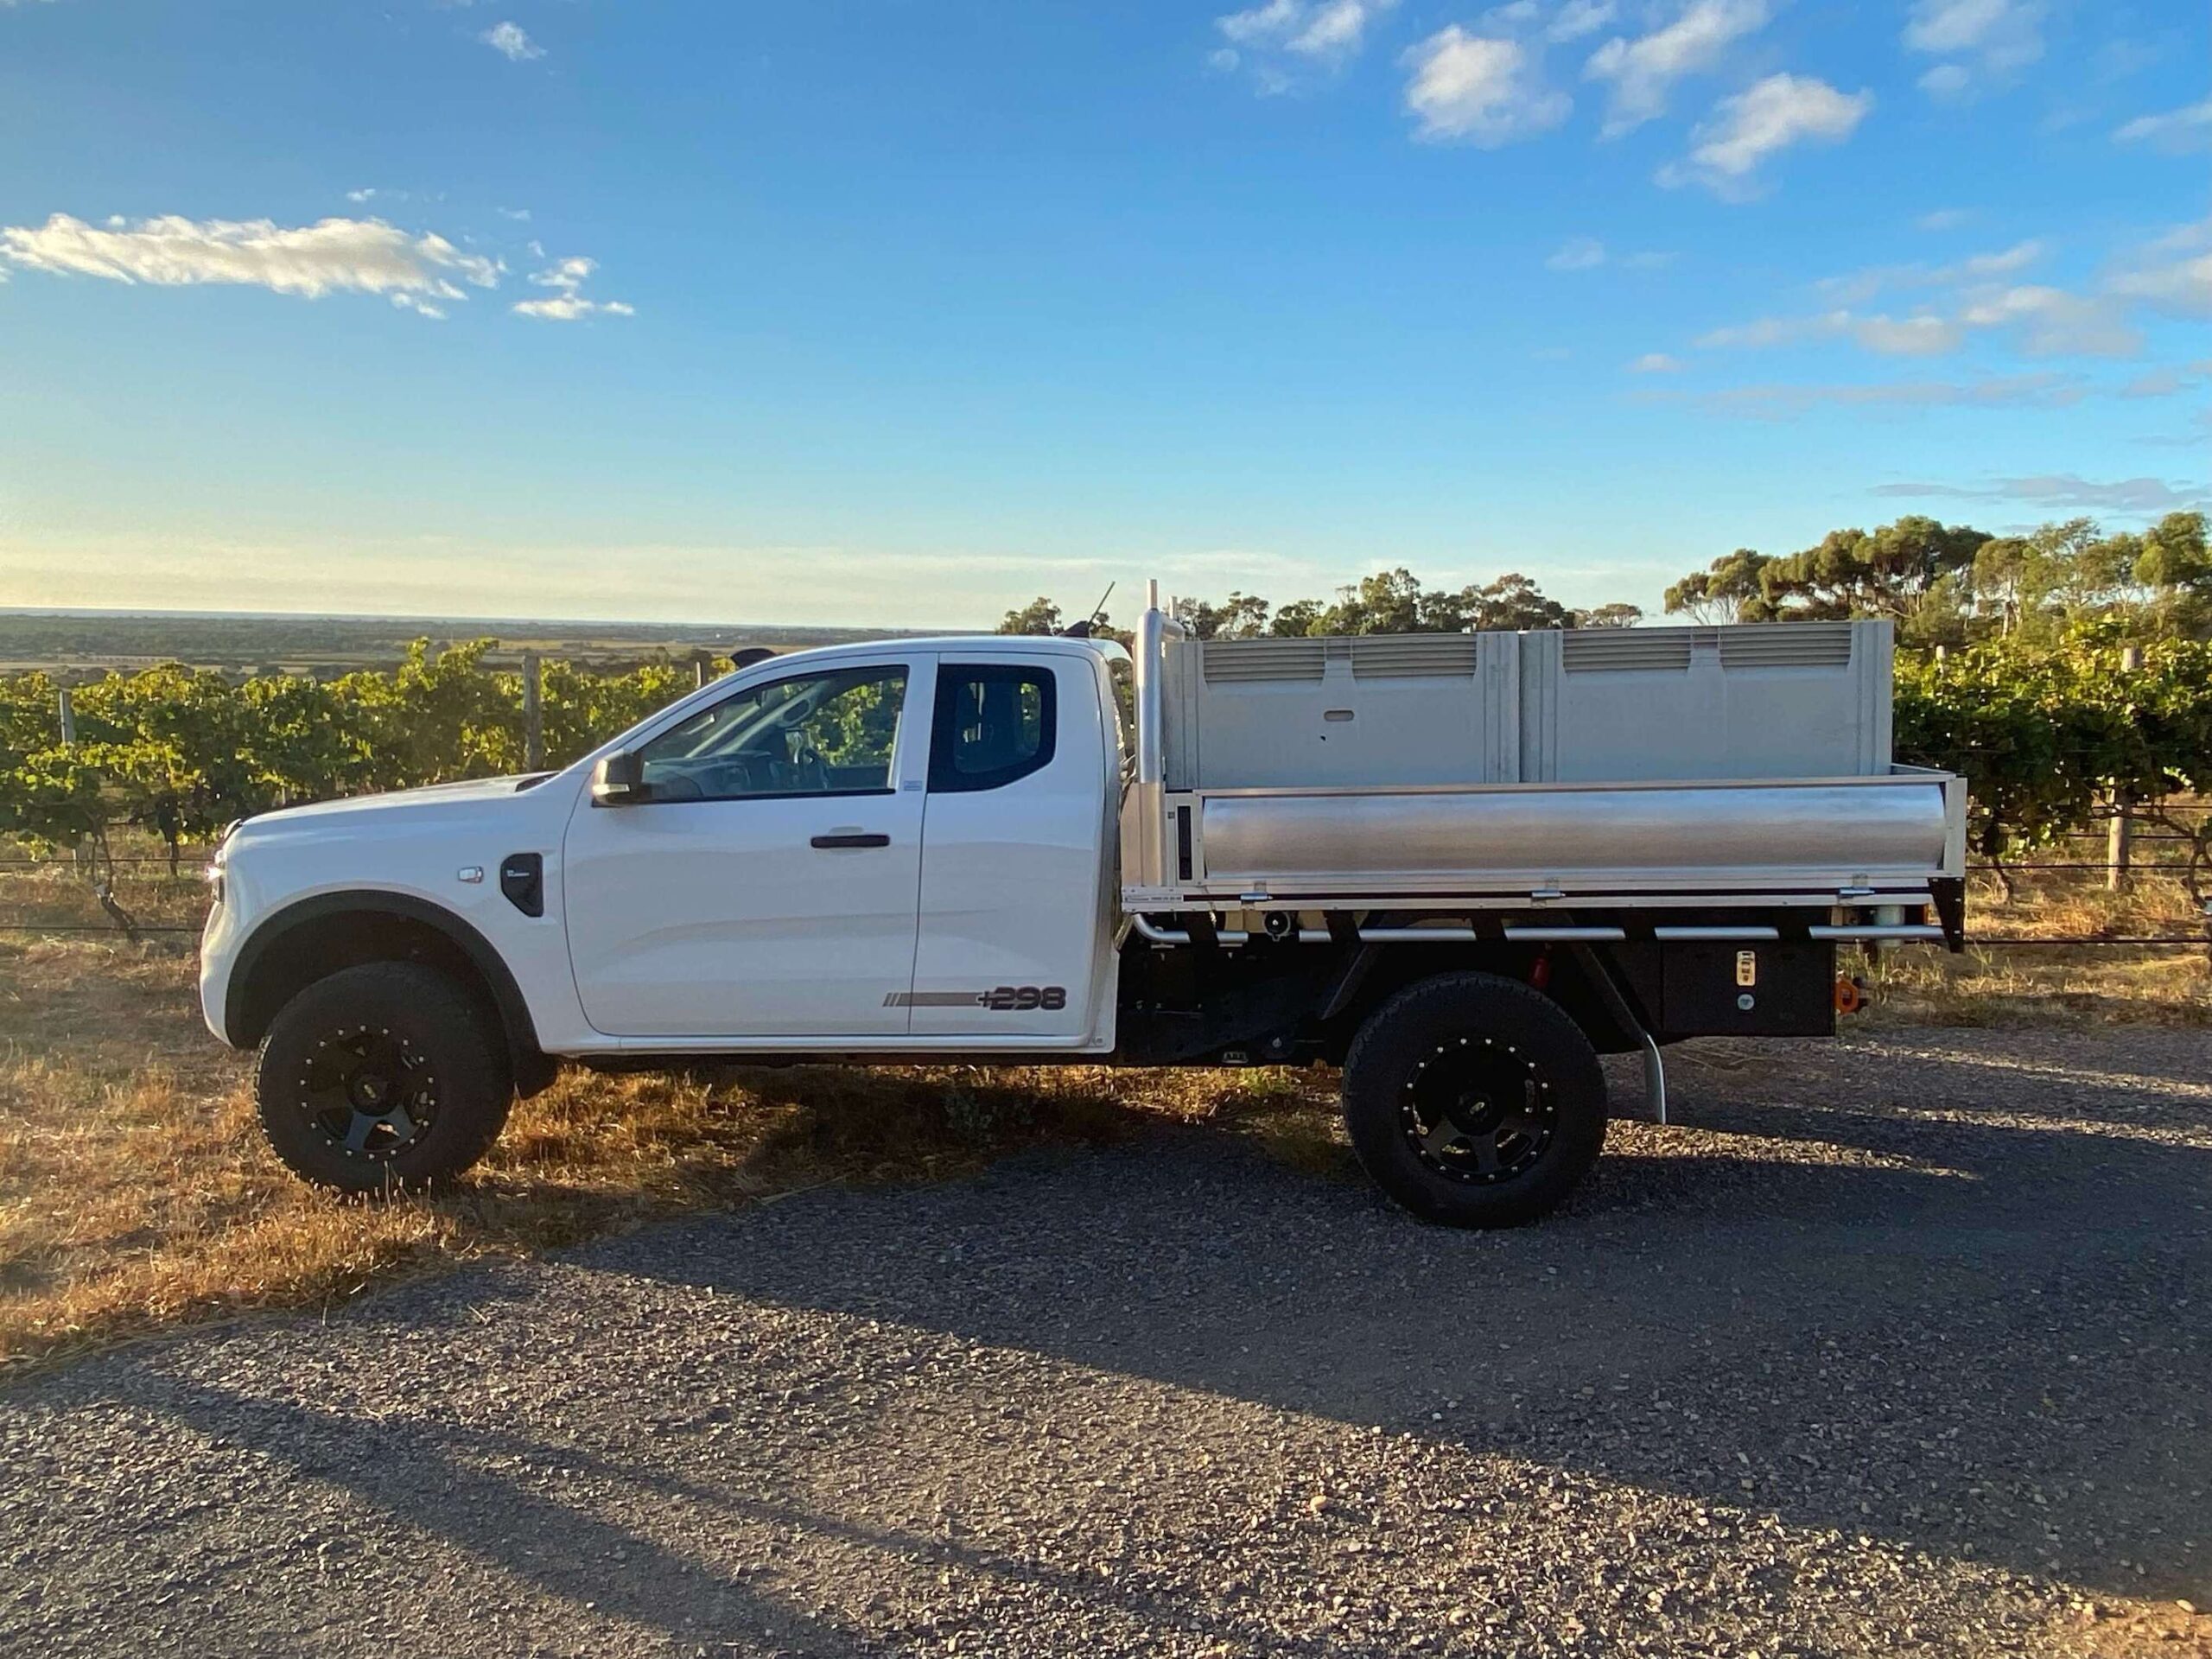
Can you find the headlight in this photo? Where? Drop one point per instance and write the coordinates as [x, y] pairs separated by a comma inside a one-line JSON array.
[[213, 874]]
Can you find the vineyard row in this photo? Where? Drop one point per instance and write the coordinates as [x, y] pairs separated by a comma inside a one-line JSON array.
[[2049, 736]]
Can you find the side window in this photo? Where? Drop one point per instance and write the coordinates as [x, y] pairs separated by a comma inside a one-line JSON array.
[[830, 733], [995, 723]]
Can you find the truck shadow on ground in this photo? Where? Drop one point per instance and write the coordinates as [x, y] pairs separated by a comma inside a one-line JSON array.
[[1967, 1314], [602, 1555]]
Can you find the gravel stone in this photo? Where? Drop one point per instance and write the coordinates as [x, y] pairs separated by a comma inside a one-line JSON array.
[[1897, 1347]]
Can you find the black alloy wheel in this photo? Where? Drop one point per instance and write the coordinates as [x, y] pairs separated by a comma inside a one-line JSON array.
[[1474, 1100], [370, 1092], [385, 1076], [1478, 1108]]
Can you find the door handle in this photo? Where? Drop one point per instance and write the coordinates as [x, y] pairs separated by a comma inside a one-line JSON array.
[[850, 841]]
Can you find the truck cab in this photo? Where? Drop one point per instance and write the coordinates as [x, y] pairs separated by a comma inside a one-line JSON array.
[[882, 848], [874, 847]]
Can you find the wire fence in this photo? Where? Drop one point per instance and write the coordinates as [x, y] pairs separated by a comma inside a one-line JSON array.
[[110, 928]]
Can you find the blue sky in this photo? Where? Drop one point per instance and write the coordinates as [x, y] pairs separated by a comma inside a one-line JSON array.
[[874, 311]]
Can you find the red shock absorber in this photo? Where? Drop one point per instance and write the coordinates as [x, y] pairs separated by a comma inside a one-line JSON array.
[[1540, 971]]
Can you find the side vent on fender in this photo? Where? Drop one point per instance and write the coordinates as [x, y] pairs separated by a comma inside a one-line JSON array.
[[522, 878]]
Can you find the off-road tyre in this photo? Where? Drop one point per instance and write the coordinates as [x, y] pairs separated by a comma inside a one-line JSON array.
[[387, 1077], [1474, 1101]]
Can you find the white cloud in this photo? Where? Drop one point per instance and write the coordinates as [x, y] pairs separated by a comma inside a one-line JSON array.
[[2197, 438], [1283, 37], [1526, 19], [510, 42], [1997, 36], [1579, 17], [2120, 57], [335, 255], [2138, 495], [567, 307], [1655, 363], [2177, 132], [2158, 383], [1337, 28], [1943, 27], [1644, 70], [568, 304], [1858, 287], [1588, 253], [2172, 274], [2053, 322], [1483, 91], [1945, 80], [1762, 121], [1942, 218], [2040, 390], [568, 274], [362, 197], [521, 215], [1921, 334], [1578, 253], [2002, 263], [1764, 333], [1914, 336], [327, 566]]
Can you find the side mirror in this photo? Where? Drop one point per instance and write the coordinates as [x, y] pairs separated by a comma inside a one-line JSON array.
[[620, 780]]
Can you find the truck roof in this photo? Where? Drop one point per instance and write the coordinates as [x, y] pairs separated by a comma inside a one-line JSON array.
[[968, 644]]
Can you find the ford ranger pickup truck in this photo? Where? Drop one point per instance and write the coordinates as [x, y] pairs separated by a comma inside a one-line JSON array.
[[1458, 866]]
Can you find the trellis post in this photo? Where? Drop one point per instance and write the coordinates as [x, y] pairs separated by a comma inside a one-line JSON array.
[[2119, 833], [533, 714]]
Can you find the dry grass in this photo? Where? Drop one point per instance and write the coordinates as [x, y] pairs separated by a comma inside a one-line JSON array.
[[2066, 985], [55, 894], [136, 1194]]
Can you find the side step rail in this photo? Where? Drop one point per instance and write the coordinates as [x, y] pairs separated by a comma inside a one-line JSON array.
[[1909, 932]]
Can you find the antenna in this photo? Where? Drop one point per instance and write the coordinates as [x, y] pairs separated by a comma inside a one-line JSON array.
[[1082, 630]]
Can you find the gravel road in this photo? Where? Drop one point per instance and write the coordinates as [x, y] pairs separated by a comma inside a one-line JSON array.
[[1898, 1347]]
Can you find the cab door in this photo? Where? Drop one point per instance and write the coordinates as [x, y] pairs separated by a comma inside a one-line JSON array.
[[768, 884], [1014, 910]]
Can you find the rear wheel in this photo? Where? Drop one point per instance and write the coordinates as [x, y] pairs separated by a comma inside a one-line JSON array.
[[1474, 1101], [388, 1075]]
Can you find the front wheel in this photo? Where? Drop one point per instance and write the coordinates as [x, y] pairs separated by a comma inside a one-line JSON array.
[[385, 1076], [1474, 1101]]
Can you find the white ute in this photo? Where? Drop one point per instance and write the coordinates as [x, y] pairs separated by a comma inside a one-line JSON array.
[[1459, 866]]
